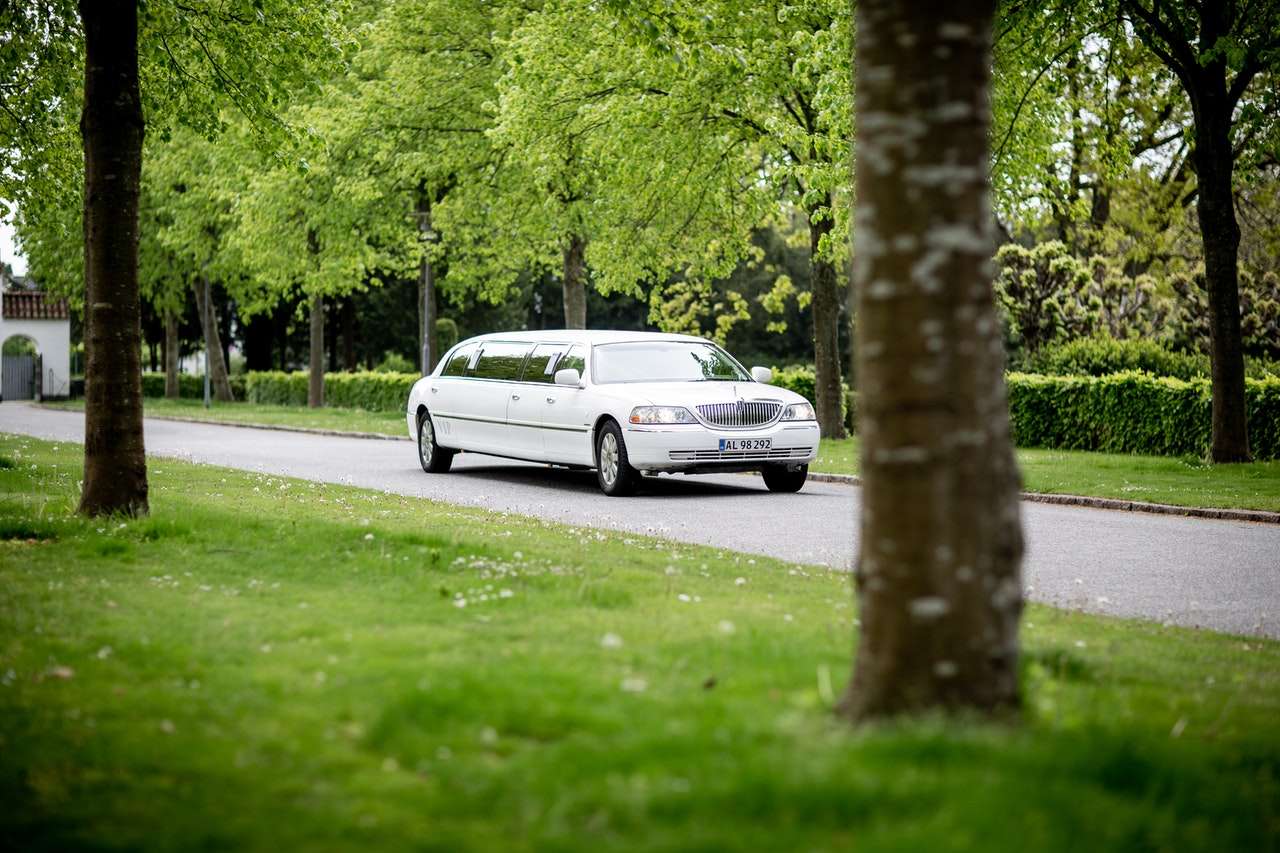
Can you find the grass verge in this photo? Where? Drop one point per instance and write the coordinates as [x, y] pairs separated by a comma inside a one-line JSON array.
[[1158, 479], [268, 664], [347, 420]]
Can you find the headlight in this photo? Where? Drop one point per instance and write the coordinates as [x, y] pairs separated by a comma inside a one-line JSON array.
[[799, 412], [662, 415]]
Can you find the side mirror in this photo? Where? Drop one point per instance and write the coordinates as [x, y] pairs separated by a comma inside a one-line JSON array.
[[763, 375], [569, 376]]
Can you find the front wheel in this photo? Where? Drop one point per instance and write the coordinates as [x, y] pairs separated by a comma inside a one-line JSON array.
[[780, 478], [433, 458], [613, 471]]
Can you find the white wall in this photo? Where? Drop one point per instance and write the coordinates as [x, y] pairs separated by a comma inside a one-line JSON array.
[[53, 342]]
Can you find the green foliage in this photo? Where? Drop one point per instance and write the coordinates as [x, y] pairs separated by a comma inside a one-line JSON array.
[[190, 385], [393, 362], [1043, 295], [1133, 412], [1259, 313], [371, 391], [1101, 355], [800, 379], [446, 335]]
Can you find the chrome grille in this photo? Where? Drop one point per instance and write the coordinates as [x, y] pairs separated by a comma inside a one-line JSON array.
[[744, 413], [728, 455]]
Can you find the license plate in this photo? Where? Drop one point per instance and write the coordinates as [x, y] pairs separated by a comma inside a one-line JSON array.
[[745, 444]]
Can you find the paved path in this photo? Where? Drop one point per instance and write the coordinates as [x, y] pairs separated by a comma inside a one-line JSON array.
[[1216, 574]]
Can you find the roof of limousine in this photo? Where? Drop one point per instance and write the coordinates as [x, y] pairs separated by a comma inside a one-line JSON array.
[[584, 336]]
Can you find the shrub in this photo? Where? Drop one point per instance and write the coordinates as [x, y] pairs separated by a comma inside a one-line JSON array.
[[1100, 356], [1133, 412], [800, 379], [371, 391], [393, 362], [190, 385], [446, 334]]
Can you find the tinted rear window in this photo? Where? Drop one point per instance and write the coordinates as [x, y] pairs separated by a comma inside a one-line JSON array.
[[457, 364], [501, 361], [542, 364]]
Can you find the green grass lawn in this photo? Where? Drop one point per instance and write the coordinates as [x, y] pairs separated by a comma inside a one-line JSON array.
[[348, 420], [273, 664], [1159, 479]]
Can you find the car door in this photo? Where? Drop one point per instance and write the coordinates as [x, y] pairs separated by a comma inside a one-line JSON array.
[[527, 401], [566, 415], [493, 382], [447, 397]]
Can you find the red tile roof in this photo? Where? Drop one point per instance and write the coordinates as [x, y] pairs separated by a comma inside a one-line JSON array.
[[34, 306]]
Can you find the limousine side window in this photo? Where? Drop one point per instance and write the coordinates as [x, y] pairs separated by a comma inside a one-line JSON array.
[[457, 364], [500, 360], [542, 364], [575, 358]]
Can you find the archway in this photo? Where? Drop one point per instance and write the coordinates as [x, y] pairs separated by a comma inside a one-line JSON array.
[[20, 368]]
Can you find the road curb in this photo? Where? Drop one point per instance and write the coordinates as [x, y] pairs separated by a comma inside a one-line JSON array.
[[1255, 515]]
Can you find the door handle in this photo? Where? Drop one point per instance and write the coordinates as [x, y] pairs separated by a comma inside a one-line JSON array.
[[435, 390], [551, 399], [515, 396]]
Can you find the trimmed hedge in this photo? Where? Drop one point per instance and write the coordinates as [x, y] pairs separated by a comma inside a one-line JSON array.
[[1103, 356], [801, 379], [1133, 412], [189, 385], [371, 391]]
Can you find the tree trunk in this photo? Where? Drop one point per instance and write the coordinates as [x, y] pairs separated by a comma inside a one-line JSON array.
[[171, 387], [349, 335], [315, 379], [111, 128], [212, 340], [941, 542], [1215, 208], [574, 284], [428, 339], [828, 387]]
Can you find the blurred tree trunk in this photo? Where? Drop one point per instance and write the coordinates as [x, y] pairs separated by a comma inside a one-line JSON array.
[[940, 548], [428, 338], [212, 340], [315, 367], [111, 128], [171, 388], [575, 287], [828, 388]]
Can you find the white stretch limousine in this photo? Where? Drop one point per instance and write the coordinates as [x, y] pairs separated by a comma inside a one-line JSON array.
[[624, 403]]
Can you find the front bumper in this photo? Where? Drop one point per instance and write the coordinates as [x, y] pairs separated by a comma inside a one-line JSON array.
[[694, 447]]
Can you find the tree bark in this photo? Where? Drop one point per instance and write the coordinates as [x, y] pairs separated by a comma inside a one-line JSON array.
[[940, 548], [171, 387], [212, 340], [1220, 234], [111, 128], [427, 306], [574, 283], [315, 378], [827, 385]]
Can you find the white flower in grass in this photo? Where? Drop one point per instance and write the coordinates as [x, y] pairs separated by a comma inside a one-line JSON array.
[[684, 597], [739, 581], [634, 684], [104, 653], [368, 537], [726, 627], [611, 641], [786, 617], [167, 726]]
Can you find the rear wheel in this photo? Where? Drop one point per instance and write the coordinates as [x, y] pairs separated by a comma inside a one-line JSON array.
[[779, 478], [613, 471], [433, 458]]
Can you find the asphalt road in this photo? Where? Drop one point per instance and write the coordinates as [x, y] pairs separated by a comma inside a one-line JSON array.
[[1221, 575]]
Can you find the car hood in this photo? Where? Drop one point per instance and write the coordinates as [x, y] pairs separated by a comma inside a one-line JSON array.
[[697, 393]]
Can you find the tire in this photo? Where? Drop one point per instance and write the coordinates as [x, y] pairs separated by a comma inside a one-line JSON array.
[[779, 479], [613, 472], [433, 458]]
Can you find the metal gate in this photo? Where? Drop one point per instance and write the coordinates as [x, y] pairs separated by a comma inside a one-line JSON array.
[[20, 373]]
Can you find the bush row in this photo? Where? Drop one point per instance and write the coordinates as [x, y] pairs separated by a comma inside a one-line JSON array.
[[1102, 356], [189, 385], [371, 391], [1133, 412]]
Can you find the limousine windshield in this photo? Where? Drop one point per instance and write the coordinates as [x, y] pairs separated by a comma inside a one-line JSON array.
[[665, 361]]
